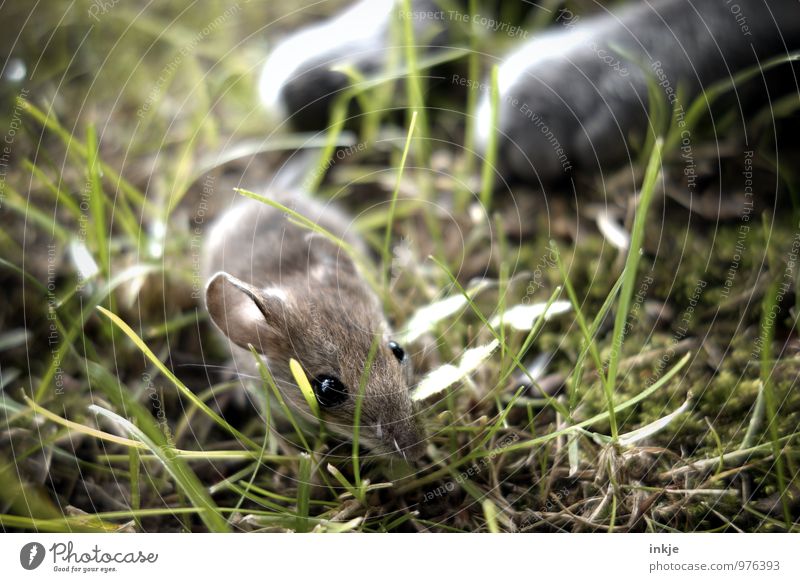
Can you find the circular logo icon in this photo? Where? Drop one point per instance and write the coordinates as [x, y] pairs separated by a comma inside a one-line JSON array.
[[31, 555]]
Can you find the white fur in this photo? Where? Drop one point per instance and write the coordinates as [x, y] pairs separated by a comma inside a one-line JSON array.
[[549, 46], [345, 31], [277, 293]]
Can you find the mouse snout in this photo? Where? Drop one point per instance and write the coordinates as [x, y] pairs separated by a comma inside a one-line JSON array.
[[405, 439]]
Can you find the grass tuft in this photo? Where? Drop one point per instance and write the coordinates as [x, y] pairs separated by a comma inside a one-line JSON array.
[[639, 407]]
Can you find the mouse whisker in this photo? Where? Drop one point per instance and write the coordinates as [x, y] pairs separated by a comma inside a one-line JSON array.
[[399, 450], [248, 376], [233, 369], [195, 365]]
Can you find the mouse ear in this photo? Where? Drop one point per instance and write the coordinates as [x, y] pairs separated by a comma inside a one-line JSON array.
[[323, 251], [244, 313]]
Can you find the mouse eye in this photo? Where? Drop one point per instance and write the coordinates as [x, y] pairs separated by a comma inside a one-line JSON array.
[[329, 391], [398, 352]]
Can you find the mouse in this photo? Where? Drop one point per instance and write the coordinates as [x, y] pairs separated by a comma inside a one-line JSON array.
[[570, 100], [293, 293], [302, 76]]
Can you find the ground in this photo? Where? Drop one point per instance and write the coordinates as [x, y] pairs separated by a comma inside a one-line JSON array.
[[127, 418]]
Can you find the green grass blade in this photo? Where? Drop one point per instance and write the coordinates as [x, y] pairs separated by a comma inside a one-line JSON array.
[[769, 307], [191, 396], [96, 199], [305, 387], [362, 385], [490, 161], [387, 257], [490, 513], [59, 195], [75, 145], [351, 252], [303, 493], [702, 104], [631, 264], [538, 441], [72, 332], [184, 478], [416, 98], [268, 380], [497, 335], [30, 212]]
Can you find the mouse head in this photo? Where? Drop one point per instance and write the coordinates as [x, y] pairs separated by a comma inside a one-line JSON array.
[[330, 323]]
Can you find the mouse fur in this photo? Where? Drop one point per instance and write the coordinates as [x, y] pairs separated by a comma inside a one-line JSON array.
[[292, 293]]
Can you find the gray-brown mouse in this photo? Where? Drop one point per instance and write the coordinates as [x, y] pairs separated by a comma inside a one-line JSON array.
[[292, 293]]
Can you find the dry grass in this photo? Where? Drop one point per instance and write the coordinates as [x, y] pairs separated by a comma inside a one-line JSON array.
[[118, 411]]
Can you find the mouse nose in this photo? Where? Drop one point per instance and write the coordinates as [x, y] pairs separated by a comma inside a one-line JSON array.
[[407, 441]]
